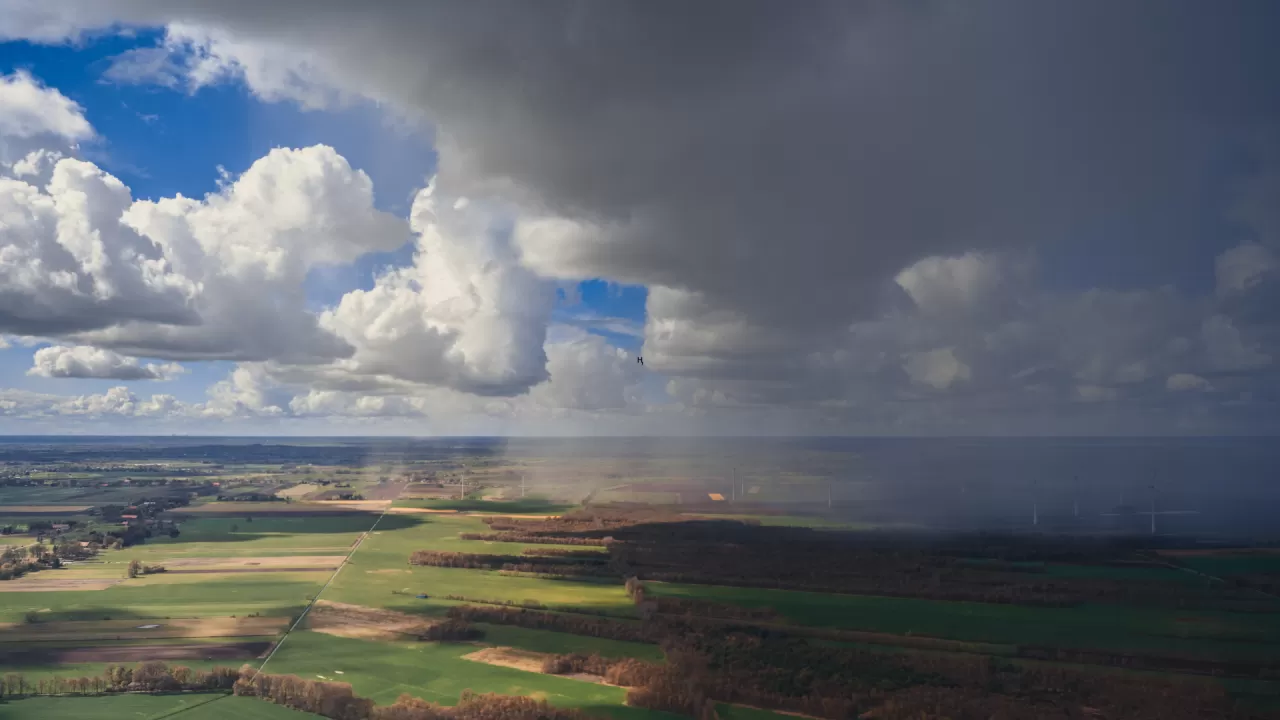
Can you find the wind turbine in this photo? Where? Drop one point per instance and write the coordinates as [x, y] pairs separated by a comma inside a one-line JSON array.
[[1153, 508], [1035, 502]]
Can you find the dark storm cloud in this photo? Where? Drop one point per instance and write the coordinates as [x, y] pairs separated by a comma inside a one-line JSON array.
[[778, 150], [774, 165]]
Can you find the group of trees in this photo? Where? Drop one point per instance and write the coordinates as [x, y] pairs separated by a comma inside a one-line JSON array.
[[627, 672], [251, 497], [474, 706], [136, 568], [151, 676], [573, 623], [330, 699], [565, 553], [18, 560], [531, 539], [451, 630], [559, 566], [769, 669]]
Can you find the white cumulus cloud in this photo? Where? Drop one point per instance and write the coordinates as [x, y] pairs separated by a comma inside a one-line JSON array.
[[83, 361], [466, 315], [29, 109]]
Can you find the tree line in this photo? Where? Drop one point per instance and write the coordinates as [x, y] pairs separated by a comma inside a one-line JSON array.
[[530, 539], [557, 566], [152, 676]]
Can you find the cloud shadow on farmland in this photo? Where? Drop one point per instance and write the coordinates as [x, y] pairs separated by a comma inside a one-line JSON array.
[[262, 527], [142, 615]]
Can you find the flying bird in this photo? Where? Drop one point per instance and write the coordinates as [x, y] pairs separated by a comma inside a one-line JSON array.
[[640, 360]]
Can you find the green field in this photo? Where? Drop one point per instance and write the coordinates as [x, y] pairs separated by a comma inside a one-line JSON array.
[[381, 569], [1112, 572], [1228, 565], [1209, 635], [239, 595], [546, 641], [193, 706], [434, 671]]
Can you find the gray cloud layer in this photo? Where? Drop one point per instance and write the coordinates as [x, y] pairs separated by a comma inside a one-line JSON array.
[[768, 169]]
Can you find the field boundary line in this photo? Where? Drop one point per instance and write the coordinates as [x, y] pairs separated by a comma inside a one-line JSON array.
[[316, 597], [179, 711]]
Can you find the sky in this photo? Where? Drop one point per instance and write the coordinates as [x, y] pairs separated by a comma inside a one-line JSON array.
[[810, 218]]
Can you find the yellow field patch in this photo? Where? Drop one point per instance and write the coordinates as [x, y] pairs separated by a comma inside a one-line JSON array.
[[298, 491], [289, 562], [509, 657], [526, 660], [415, 511], [141, 629]]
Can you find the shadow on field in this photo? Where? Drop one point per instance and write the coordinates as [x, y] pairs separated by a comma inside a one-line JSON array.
[[261, 526], [84, 613], [626, 712], [119, 613]]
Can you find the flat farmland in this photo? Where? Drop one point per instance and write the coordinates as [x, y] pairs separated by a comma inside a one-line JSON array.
[[21, 510], [240, 594], [194, 706], [437, 672], [276, 563], [285, 509], [379, 574], [236, 536], [1252, 638], [1228, 564]]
